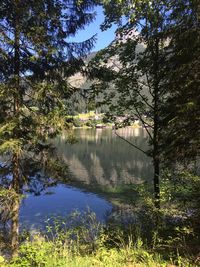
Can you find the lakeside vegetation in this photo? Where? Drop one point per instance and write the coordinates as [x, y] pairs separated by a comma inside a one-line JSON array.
[[95, 120], [138, 236], [51, 254]]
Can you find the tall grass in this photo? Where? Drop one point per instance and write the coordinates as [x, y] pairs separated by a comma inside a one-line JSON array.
[[81, 241]]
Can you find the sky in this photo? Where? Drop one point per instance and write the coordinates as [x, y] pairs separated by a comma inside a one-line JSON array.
[[103, 38]]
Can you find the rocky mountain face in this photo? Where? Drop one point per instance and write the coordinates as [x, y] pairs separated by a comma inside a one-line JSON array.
[[83, 99]]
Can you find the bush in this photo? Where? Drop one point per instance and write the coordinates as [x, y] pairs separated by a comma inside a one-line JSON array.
[[91, 123], [78, 123]]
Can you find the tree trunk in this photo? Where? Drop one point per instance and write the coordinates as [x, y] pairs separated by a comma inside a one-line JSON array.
[[15, 227], [15, 158], [156, 160], [156, 103], [17, 60], [156, 182], [15, 206]]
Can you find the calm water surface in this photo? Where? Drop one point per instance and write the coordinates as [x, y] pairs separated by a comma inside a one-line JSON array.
[[100, 161]]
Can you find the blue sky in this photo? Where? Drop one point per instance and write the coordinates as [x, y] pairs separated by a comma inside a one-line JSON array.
[[103, 38]]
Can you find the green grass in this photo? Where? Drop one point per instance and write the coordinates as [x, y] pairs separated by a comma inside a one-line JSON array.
[[40, 253], [84, 116], [88, 244]]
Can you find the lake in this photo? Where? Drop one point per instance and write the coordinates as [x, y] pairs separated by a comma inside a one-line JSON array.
[[102, 169]]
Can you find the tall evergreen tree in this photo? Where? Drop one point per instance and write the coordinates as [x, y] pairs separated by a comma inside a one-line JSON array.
[[159, 82], [36, 58], [181, 112], [138, 89]]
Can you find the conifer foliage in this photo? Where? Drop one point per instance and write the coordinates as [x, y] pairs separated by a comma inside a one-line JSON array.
[[36, 57], [157, 77], [138, 89], [181, 120]]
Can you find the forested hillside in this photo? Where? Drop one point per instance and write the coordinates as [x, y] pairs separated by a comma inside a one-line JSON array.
[[87, 97]]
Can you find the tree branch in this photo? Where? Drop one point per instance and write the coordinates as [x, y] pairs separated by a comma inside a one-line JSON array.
[[130, 143], [140, 117], [150, 89]]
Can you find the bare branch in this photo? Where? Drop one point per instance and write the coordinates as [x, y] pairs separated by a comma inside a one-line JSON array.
[[130, 143], [144, 99], [140, 117], [150, 89]]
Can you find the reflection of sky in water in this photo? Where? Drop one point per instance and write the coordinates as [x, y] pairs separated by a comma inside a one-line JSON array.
[[60, 200]]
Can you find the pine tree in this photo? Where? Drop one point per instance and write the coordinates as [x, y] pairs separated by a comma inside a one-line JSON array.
[[159, 82], [181, 117], [36, 58], [137, 85]]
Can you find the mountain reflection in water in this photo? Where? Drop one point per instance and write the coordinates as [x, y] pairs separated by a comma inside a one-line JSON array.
[[99, 160], [100, 157]]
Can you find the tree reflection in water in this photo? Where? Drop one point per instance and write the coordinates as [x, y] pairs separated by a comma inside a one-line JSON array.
[[101, 158]]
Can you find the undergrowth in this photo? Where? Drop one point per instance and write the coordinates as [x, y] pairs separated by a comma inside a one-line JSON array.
[[81, 241], [144, 236]]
